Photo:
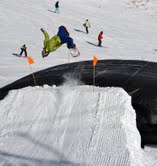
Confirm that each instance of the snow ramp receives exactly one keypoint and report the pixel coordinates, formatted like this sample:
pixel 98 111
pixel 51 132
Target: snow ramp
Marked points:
pixel 80 125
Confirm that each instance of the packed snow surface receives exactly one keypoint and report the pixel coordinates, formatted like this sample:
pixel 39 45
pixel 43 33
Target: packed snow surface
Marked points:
pixel 78 125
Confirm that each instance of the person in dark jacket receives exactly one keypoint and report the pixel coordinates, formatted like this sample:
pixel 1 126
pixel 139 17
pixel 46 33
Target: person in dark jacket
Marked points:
pixel 24 49
pixel 57 7
pixel 100 39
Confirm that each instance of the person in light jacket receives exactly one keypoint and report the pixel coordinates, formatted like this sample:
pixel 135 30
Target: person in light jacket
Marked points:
pixel 87 25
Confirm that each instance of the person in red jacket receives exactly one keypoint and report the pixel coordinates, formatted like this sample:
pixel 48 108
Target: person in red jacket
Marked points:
pixel 100 38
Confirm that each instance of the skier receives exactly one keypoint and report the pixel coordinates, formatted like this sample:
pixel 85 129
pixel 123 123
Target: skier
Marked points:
pixel 56 41
pixel 100 39
pixel 87 25
pixel 23 49
pixel 57 7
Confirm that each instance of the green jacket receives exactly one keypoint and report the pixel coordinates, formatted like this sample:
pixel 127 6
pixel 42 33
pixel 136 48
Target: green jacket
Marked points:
pixel 51 44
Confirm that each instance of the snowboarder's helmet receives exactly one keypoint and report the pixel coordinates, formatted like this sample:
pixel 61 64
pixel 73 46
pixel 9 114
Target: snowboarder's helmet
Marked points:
pixel 44 53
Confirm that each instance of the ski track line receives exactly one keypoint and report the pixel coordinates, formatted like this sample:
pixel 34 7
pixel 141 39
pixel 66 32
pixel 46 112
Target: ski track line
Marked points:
pixel 78 137
pixel 69 109
pixel 96 119
pixel 61 124
pixel 83 150
pixel 13 98
pixel 101 106
pixel 94 125
pixel 85 144
pixel 96 128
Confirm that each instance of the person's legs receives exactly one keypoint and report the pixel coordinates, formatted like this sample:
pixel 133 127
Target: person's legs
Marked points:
pixel 63 34
pixel 21 52
pixel 87 29
pixel 57 10
pixel 25 53
pixel 70 43
pixel 99 44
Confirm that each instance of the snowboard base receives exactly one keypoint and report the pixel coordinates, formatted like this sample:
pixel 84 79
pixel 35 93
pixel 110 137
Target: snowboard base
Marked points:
pixel 74 52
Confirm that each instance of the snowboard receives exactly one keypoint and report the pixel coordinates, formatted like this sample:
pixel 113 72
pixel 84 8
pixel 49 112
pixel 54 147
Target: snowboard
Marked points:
pixel 18 55
pixel 74 52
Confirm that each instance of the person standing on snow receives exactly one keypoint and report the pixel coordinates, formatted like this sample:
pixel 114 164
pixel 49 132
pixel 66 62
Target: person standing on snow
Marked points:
pixel 57 7
pixel 56 41
pixel 24 49
pixel 100 37
pixel 87 25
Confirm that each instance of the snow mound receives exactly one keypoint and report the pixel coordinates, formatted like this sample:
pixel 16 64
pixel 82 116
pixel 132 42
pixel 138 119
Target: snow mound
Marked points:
pixel 79 125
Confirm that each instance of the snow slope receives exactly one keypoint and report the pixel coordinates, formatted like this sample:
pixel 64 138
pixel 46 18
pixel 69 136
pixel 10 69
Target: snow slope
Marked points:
pixel 129 33
pixel 72 126
pixel 78 125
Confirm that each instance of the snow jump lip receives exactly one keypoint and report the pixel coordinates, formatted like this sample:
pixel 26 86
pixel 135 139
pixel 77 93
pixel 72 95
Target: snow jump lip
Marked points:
pixel 138 78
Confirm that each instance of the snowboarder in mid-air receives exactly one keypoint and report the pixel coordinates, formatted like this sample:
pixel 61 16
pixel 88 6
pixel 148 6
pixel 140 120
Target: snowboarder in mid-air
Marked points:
pixel 56 41
pixel 87 25
pixel 24 49
pixel 100 39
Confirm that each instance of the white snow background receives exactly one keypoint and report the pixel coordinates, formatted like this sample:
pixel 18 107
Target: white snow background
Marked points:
pixel 72 125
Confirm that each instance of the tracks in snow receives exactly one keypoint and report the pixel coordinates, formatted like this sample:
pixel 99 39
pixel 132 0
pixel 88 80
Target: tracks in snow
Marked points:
pixel 66 125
